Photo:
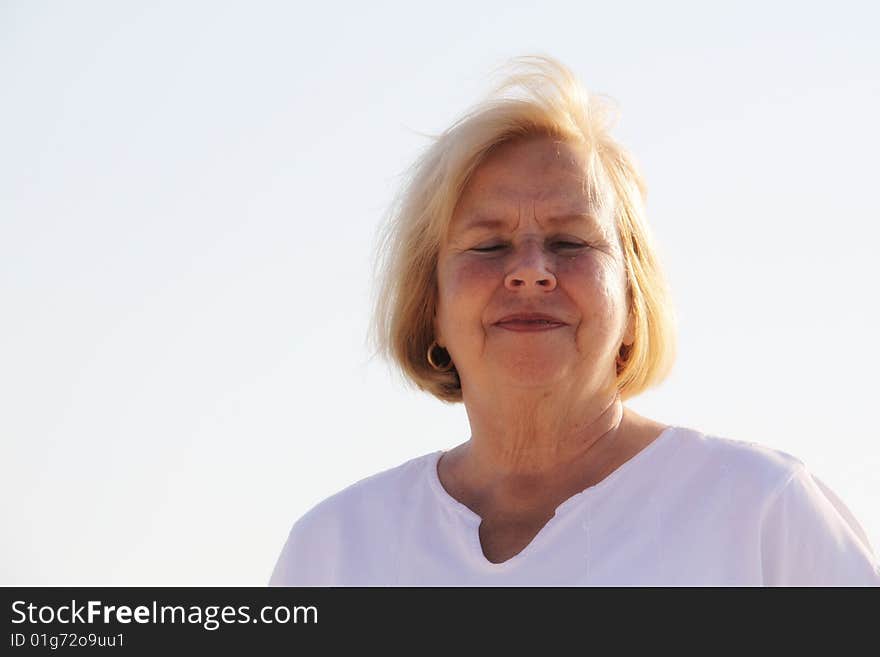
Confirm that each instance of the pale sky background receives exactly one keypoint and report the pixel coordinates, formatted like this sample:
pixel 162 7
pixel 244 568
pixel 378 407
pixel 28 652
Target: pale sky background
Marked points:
pixel 189 194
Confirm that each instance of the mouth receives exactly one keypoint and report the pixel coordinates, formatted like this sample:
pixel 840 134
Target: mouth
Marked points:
pixel 523 322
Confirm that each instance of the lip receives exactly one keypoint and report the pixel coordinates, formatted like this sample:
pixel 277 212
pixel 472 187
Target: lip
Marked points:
pixel 527 322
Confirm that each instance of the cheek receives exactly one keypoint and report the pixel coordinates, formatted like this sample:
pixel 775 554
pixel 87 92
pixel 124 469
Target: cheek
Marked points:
pixel 598 287
pixel 469 280
pixel 464 291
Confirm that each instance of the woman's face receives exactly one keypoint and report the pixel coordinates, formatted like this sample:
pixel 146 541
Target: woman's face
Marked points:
pixel 531 280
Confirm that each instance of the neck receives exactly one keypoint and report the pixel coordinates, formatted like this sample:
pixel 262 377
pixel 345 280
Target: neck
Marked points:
pixel 537 434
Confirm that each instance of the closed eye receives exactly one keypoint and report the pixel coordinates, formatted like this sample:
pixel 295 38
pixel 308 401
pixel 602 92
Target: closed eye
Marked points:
pixel 489 248
pixel 569 245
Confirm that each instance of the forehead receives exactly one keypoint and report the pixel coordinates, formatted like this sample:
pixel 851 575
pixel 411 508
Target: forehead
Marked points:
pixel 544 173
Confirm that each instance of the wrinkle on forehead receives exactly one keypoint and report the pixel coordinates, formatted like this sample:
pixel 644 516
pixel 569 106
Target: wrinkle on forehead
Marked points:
pixel 562 160
pixel 488 220
pixel 508 208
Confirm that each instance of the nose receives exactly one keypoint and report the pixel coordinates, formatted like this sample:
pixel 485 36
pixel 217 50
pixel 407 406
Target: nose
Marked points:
pixel 530 270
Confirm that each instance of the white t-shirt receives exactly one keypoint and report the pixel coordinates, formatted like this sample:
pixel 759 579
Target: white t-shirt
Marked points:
pixel 689 509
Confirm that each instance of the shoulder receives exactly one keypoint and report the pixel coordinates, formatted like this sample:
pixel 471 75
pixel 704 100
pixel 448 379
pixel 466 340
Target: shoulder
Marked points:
pixel 370 497
pixel 378 494
pixel 365 513
pixel 805 533
pixel 706 458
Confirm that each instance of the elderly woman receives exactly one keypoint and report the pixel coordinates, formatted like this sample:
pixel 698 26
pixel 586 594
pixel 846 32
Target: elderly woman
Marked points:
pixel 520 280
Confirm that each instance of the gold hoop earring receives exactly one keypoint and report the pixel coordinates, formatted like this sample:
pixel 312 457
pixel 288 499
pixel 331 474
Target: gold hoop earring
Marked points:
pixel 438 368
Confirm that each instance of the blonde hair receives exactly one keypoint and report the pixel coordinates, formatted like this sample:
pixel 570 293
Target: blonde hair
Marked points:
pixel 539 96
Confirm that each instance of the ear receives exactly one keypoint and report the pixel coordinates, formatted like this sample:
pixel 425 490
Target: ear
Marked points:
pixel 629 335
pixel 438 335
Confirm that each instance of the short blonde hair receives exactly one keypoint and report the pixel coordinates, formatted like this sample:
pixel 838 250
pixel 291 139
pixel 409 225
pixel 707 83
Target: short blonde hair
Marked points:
pixel 539 96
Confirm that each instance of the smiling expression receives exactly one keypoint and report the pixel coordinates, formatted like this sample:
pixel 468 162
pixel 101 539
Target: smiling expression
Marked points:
pixel 531 278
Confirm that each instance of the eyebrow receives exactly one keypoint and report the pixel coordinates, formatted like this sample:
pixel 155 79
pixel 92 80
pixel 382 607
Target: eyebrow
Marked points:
pixel 482 222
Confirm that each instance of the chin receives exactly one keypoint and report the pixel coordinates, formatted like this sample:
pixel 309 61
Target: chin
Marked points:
pixel 532 370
